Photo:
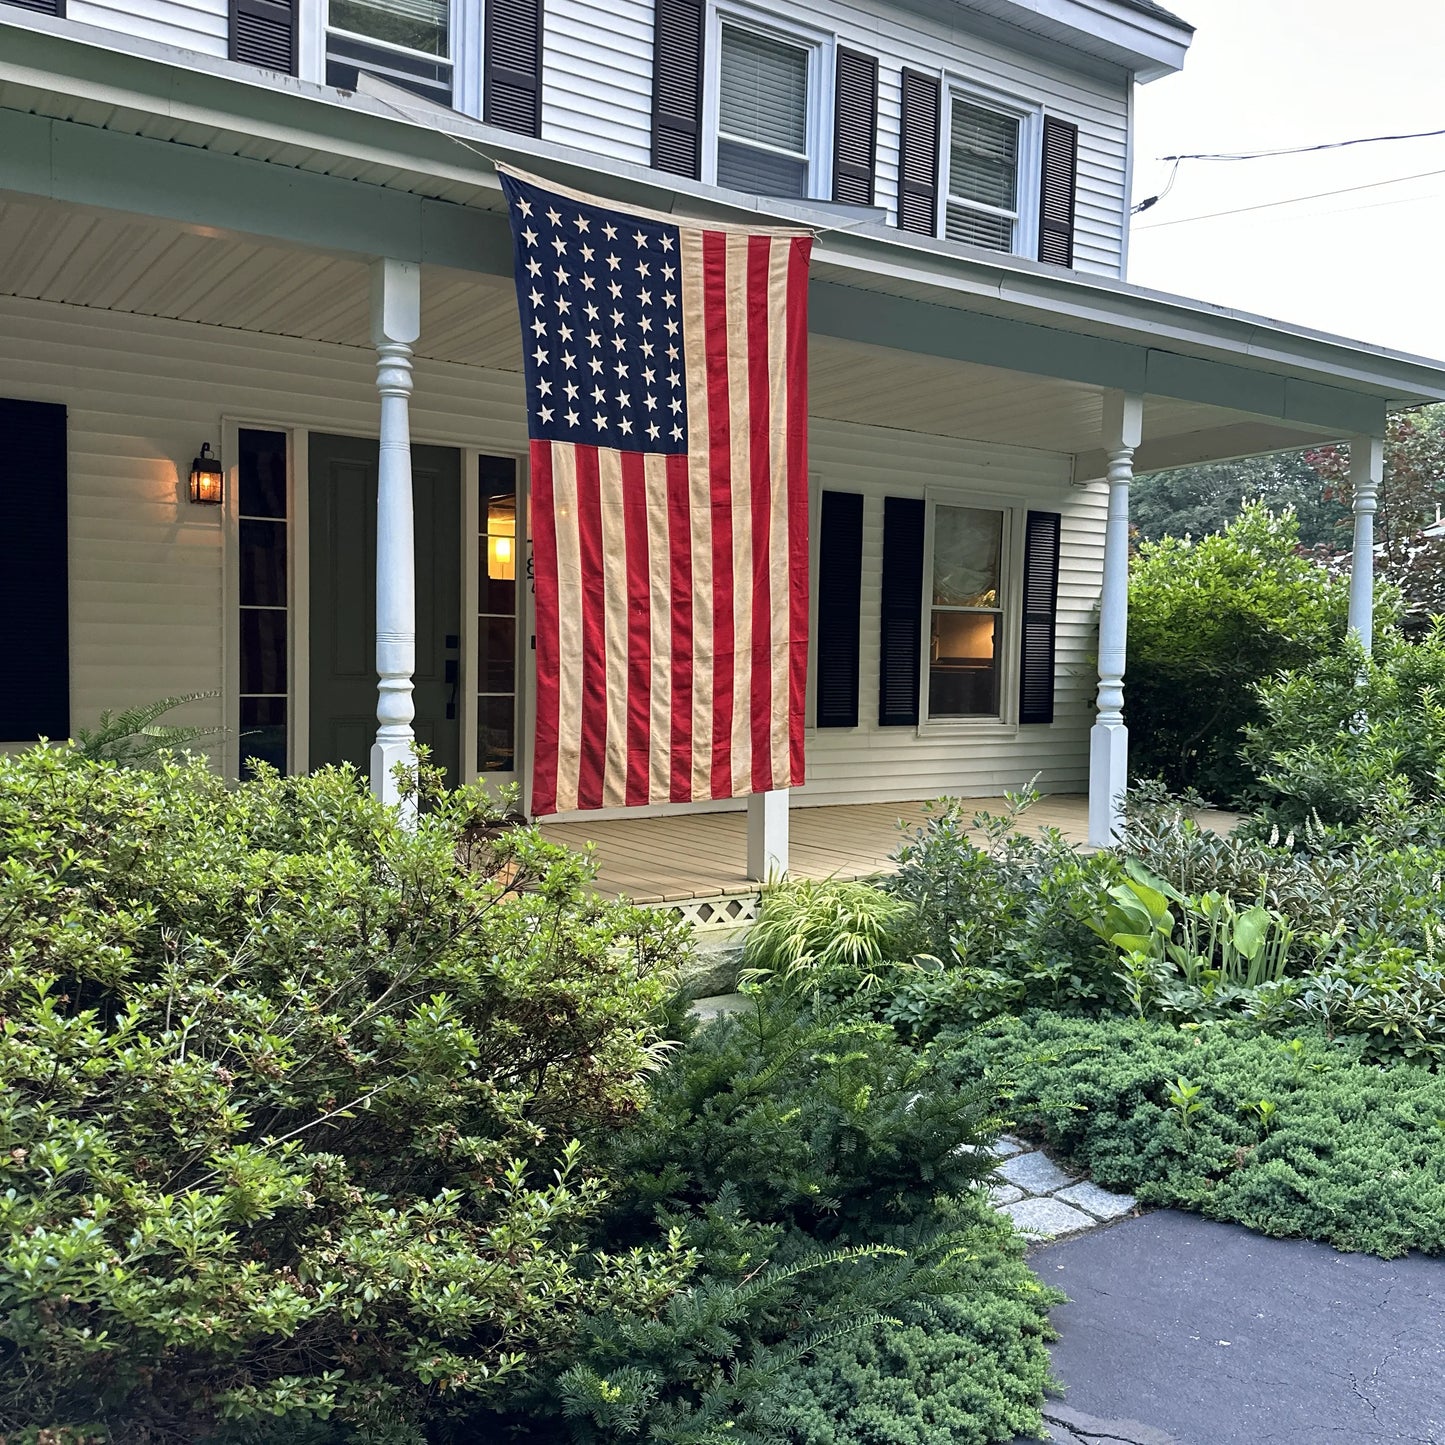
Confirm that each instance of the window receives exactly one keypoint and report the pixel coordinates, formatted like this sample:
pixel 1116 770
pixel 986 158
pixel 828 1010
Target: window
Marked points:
pixel 763 141
pixel 966 612
pixel 404 42
pixel 983 177
pixel 497 617
pixel 263 595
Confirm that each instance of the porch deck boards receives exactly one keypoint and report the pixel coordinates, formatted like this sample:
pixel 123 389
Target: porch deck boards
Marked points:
pixel 704 855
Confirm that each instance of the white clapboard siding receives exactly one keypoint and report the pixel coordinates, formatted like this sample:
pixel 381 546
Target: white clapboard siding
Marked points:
pixel 143 394
pixel 890 763
pixel 597 76
pixel 201 25
pixel 146 566
pixel 598 92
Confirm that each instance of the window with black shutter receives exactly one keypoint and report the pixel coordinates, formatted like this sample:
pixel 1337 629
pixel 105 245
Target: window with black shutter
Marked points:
pixel 264 32
pixel 1056 201
pixel 901 611
pixel 918 141
pixel 34 572
pixel 512 89
pixel 855 127
pixel 840 592
pixel 1041 605
pixel 41 7
pixel 677 57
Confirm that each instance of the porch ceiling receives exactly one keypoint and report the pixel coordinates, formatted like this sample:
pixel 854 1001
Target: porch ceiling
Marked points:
pixel 101 259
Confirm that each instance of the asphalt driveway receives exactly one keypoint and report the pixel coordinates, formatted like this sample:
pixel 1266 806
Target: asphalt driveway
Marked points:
pixel 1182 1330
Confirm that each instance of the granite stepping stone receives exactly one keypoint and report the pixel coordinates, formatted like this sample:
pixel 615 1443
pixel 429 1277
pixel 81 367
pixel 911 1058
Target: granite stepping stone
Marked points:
pixel 1101 1203
pixel 1035 1173
pixel 1045 1218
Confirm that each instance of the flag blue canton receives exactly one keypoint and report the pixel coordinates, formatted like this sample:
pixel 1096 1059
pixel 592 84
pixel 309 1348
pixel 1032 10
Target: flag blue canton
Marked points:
pixel 600 296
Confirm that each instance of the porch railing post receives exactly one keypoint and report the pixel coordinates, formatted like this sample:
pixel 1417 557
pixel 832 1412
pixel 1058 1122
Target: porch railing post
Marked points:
pixel 768 835
pixel 395 325
pixel 1109 738
pixel 1367 470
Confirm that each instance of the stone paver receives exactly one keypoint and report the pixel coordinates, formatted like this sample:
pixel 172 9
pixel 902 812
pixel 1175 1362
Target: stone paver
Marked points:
pixel 1035 1173
pixel 1006 1146
pixel 1000 1194
pixel 1101 1203
pixel 1046 1218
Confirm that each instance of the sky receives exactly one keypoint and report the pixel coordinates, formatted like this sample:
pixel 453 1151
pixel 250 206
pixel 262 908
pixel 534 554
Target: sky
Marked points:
pixel 1368 264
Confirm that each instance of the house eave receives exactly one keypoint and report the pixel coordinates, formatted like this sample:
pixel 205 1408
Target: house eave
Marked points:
pixel 94 78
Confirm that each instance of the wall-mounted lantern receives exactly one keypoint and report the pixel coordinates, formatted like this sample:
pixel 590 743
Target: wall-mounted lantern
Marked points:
pixel 206 477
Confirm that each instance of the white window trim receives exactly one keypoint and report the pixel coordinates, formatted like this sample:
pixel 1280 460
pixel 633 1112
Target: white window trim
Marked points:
pixel 1030 118
pixel 820 46
pixel 464 46
pixel 1012 557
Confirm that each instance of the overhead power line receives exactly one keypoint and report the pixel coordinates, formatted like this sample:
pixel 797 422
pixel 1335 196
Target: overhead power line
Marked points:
pixel 1331 145
pixel 1292 200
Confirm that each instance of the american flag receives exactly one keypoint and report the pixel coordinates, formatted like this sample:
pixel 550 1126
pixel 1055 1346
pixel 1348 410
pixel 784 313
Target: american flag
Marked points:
pixel 666 374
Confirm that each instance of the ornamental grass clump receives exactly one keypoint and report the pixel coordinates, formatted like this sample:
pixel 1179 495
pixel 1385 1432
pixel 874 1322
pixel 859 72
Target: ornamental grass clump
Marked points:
pixel 297 1114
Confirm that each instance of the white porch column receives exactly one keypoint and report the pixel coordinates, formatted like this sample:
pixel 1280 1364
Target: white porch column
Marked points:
pixel 1367 470
pixel 395 324
pixel 1109 738
pixel 768 835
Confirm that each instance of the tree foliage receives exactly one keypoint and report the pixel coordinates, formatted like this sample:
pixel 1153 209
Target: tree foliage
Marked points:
pixel 1208 619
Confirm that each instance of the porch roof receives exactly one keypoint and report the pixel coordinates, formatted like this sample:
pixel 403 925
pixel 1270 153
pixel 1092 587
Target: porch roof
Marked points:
pixel 100 120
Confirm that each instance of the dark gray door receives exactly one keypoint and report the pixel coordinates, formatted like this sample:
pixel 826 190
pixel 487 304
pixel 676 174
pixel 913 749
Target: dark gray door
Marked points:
pixel 342 526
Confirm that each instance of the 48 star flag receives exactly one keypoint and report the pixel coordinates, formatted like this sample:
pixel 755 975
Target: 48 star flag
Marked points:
pixel 666 381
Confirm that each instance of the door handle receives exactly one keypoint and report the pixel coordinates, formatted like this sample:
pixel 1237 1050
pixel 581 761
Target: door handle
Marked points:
pixel 450 676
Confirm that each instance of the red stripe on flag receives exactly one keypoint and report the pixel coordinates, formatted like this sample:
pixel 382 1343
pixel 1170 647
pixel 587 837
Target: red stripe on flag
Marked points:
pixel 715 326
pixel 801 248
pixel 593 753
pixel 639 626
pixel 760 466
pixel 679 546
pixel 544 547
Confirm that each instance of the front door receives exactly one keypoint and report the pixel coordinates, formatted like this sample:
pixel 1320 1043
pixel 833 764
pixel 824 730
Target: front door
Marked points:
pixel 342 526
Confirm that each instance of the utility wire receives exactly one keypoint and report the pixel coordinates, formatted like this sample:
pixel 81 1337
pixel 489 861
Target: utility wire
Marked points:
pixel 1288 200
pixel 1331 145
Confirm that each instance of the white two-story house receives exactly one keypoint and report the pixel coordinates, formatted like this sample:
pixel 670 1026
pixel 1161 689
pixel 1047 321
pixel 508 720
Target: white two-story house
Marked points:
pixel 213 212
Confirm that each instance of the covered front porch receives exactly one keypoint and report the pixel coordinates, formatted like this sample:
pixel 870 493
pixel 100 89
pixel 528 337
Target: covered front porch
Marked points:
pixel 698 862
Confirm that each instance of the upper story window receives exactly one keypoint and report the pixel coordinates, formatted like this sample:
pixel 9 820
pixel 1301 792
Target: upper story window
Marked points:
pixel 982 205
pixel 988 171
pixel 763 115
pixel 407 43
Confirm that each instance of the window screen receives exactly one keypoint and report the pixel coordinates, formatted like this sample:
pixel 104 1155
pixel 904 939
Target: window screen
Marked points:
pixel 983 170
pixel 762 115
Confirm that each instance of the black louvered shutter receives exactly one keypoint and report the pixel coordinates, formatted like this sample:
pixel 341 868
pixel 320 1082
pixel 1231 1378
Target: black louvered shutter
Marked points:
pixel 855 127
pixel 41 7
pixel 263 32
pixel 840 595
pixel 677 87
pixel 34 572
pixel 512 49
pixel 901 613
pixel 1041 606
pixel 1056 203
pixel 918 154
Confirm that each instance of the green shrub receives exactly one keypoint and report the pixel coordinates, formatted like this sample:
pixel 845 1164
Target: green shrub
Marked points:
pixel 1289 1137
pixel 1208 618
pixel 297 1114
pixel 1357 740
pixel 828 1179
